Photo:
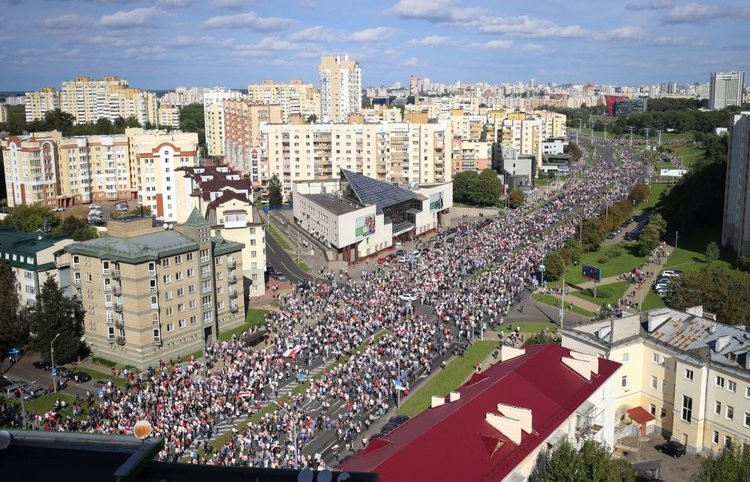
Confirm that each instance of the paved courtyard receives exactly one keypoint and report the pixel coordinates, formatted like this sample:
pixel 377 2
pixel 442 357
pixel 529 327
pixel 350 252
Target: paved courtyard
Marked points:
pixel 672 470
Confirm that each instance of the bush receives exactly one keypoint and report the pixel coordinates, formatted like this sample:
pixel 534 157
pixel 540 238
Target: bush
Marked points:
pixel 104 362
pixel 742 263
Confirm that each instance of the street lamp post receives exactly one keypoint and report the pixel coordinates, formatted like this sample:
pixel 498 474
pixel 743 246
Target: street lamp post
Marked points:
pixel 542 269
pixel 294 433
pixel 23 405
pixel 52 359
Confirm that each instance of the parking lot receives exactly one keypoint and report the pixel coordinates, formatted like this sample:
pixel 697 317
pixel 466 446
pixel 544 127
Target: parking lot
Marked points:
pixel 680 469
pixel 82 210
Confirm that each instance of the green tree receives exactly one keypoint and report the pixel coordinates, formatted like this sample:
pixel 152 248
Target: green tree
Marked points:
pixel 487 189
pixel 732 464
pixel 30 218
pixel 574 151
pixel 275 194
pixel 311 119
pixel 55 313
pixel 13 328
pixel 719 291
pixel 592 463
pixel 57 120
pixel 649 240
pixel 463 186
pixel 77 228
pixel 554 266
pixel 516 199
pixel 639 193
pixel 712 251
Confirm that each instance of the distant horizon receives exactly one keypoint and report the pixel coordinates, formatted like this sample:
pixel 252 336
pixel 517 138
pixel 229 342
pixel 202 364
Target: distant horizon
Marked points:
pixel 239 42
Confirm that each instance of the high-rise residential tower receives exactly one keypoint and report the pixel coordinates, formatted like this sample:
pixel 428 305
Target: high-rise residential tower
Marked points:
pixel 736 228
pixel 340 88
pixel 726 89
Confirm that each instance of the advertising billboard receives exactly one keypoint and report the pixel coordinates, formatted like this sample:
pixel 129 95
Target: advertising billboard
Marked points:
pixel 591 272
pixel 673 172
pixel 364 226
pixel 436 201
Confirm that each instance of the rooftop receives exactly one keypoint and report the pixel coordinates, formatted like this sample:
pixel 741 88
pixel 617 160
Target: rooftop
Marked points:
pixel 332 204
pixel 458 441
pixel 371 191
pixel 147 247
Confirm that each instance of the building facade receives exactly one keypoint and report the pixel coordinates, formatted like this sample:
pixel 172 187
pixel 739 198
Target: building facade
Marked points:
pixel 690 374
pixel 168 116
pixel 30 164
pixel 213 117
pixel 295 97
pixel 242 130
pixel 340 88
pixel 152 293
pixel 725 89
pixel 31 257
pixel 736 227
pixel 39 102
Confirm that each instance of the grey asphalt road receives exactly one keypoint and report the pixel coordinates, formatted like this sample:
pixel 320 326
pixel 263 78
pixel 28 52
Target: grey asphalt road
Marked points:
pixel 281 261
pixel 23 370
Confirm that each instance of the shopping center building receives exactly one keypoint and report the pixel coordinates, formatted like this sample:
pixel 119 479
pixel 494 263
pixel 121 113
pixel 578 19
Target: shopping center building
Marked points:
pixel 359 216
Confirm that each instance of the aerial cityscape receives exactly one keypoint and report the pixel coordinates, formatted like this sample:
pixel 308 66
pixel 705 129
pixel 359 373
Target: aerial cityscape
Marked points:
pixel 395 241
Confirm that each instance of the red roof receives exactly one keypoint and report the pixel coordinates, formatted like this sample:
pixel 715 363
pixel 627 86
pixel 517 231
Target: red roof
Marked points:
pixel 640 415
pixel 454 442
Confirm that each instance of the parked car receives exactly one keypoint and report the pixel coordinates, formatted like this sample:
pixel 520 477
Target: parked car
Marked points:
pixel 10 390
pixel 58 210
pixel 668 273
pixel 80 377
pixel 34 391
pixel 94 206
pixel 42 365
pixel 381 260
pixel 407 297
pixel 672 448
pixel 63 372
pixel 271 270
pixel 280 276
pixel 390 258
pixel 415 254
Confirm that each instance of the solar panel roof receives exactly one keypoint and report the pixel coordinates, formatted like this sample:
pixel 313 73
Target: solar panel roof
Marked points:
pixel 371 191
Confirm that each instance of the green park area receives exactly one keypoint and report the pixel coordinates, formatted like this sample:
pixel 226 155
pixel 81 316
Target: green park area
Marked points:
pixel 654 197
pixel 553 301
pixel 605 294
pixel 613 260
pixel 451 377
pixel 255 319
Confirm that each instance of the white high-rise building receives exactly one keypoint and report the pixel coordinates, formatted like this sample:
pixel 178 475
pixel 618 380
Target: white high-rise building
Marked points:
pixel 213 116
pixel 736 230
pixel 726 89
pixel 340 88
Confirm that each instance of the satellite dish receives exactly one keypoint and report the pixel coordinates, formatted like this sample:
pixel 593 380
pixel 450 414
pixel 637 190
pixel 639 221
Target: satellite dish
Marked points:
pixel 142 429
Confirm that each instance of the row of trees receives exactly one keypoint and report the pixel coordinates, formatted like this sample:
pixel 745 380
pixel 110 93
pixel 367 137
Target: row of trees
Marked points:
pixel 694 120
pixel 717 290
pixel 65 123
pixel 37 325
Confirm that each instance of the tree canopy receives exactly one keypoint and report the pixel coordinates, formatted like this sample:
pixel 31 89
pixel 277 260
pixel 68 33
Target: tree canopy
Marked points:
pixel 29 218
pixel 593 463
pixel 275 193
pixel 516 199
pixel 13 328
pixel 732 464
pixel 477 189
pixel 728 296
pixel 57 120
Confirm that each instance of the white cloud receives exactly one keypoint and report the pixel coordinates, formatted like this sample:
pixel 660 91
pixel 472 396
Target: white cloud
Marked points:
pixel 175 3
pixel 528 27
pixel 637 34
pixel 230 4
pixel 249 20
pixel 430 41
pixel 493 44
pixel 137 17
pixel 151 51
pixel 268 45
pixel 371 34
pixel 649 5
pixel 696 13
pixel 307 4
pixel 315 34
pixel 411 62
pixel 433 11
pixel 66 22
pixel 628 32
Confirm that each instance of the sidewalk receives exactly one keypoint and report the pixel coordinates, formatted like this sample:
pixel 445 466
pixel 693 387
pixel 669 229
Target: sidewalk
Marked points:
pixel 581 303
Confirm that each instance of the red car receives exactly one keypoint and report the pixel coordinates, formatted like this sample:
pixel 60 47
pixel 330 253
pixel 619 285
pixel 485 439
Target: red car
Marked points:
pixel 381 260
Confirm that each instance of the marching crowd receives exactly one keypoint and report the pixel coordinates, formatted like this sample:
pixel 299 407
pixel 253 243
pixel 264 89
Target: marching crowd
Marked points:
pixel 367 336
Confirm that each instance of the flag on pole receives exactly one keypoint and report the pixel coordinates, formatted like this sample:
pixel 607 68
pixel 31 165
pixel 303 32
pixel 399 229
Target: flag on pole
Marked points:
pixel 246 393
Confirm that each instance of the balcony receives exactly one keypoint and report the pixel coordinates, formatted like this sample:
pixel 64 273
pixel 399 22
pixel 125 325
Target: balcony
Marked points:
pixel 108 287
pixel 154 306
pixel 233 294
pixel 117 291
pixel 231 263
pixel 234 309
pixel 119 325
pixel 157 341
pixel 118 307
pixel 231 279
pixel 155 321
pixel 152 273
pixel 77 282
pixel 116 273
pixel 121 340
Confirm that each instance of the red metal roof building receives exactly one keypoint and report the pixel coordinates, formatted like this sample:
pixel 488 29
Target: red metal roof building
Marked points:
pixel 528 397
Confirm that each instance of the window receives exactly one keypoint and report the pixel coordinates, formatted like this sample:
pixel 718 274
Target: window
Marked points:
pixel 625 357
pixel 719 381
pixel 688 374
pixel 191 289
pixel 178 276
pixel 180 292
pixel 664 386
pixel 189 257
pixel 747 419
pixel 168 295
pixel 727 440
pixel 170 327
pixel 178 260
pixel 732 386
pixel 652 409
pixel 165 262
pixel 663 413
pixel 654 382
pixel 193 320
pixel 730 412
pixel 624 381
pixel 747 391
pixel 717 408
pixel 191 272
pixel 167 278
pixel 181 323
pixel 715 437
pixel 656 358
pixel 88 277
pixel 180 307
pixel 687 409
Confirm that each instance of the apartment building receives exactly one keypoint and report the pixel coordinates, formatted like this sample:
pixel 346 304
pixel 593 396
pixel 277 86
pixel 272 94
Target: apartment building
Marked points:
pixel 154 157
pixel 688 373
pixel 224 196
pixel 340 88
pixel 468 127
pixel 736 226
pixel 471 155
pixel 213 117
pixel 242 121
pixel 295 97
pixel 725 89
pixel 183 96
pixel 39 102
pixel 30 164
pixel 401 153
pixel 3 112
pixel 377 114
pixel 31 257
pixel 156 292
pixel 168 116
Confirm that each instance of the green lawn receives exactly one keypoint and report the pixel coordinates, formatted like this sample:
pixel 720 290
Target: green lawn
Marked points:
pixel 448 379
pixel 605 294
pixel 256 316
pixel 689 153
pixel 552 301
pixel 614 267
pixel 652 301
pixel 282 242
pixel 97 375
pixel 304 266
pixel 46 403
pixel 691 248
pixel 654 197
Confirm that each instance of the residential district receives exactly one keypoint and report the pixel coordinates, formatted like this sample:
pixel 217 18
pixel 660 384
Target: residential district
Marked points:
pixel 370 282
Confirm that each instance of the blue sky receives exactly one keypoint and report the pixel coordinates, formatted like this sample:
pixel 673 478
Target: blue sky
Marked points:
pixel 165 43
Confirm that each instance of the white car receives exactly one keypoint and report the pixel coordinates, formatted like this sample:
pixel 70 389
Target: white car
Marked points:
pixel 401 259
pixel 94 206
pixel 668 273
pixel 415 254
pixel 407 297
pixel 58 210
